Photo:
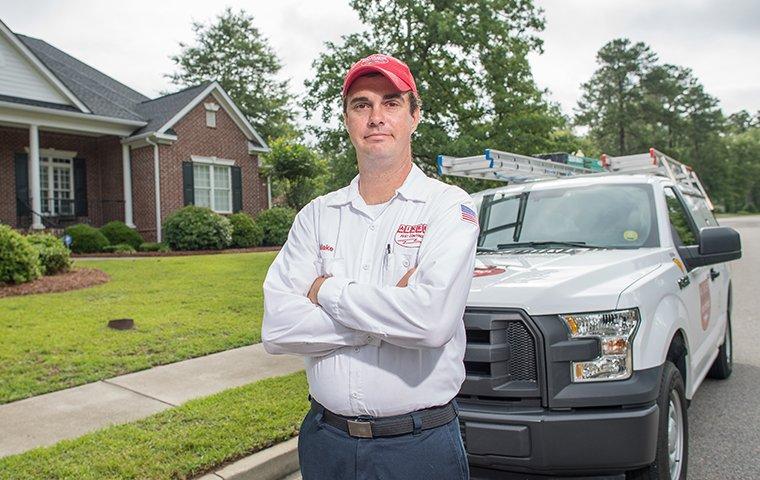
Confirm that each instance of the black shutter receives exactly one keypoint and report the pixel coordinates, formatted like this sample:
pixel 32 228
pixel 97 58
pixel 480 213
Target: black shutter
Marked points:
pixel 22 184
pixel 188 184
pixel 237 190
pixel 80 187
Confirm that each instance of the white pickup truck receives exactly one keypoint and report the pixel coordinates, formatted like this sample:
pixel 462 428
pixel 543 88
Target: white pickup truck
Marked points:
pixel 600 303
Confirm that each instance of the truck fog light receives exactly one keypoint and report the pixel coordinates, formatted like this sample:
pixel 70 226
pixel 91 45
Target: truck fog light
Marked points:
pixel 615 331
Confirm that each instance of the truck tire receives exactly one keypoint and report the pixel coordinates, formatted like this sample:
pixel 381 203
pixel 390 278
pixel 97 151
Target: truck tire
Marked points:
pixel 673 433
pixel 724 363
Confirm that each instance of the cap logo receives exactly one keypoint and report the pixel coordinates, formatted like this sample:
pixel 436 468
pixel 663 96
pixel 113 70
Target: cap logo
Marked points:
pixel 374 59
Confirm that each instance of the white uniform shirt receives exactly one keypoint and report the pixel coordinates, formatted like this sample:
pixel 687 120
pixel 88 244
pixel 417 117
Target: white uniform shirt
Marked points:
pixel 372 348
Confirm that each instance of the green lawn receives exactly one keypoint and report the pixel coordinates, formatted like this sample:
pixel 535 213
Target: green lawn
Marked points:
pixel 183 307
pixel 179 443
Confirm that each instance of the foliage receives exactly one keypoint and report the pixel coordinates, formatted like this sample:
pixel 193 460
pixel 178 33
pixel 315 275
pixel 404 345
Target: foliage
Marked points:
pixel 118 232
pixel 197 228
pixel 153 247
pixel 120 248
pixel 612 100
pixel 296 169
pixel 54 256
pixel 245 232
pixel 233 52
pixel 470 62
pixel 632 102
pixel 86 239
pixel 276 223
pixel 19 260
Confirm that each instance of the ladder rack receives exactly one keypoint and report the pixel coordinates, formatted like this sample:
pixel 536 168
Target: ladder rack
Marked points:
pixel 515 168
pixel 505 166
pixel 658 163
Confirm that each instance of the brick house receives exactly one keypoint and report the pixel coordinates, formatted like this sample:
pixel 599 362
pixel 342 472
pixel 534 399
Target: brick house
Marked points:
pixel 76 146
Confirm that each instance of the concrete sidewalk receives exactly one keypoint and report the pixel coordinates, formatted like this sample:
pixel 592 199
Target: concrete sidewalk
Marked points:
pixel 49 418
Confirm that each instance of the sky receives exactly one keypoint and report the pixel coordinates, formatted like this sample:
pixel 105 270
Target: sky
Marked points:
pixel 132 41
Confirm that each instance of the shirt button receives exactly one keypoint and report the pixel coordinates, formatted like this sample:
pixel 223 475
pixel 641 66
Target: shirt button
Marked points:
pixel 369 338
pixel 371 227
pixel 354 394
pixel 365 267
pixel 356 349
pixel 405 263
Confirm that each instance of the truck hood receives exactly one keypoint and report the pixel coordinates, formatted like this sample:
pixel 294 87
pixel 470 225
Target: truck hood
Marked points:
pixel 553 281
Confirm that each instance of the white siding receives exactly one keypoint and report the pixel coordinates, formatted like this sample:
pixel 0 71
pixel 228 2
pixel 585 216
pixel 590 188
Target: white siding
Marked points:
pixel 19 78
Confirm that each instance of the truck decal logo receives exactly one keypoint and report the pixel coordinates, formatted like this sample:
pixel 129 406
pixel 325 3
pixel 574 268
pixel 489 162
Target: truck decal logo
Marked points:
pixel 704 301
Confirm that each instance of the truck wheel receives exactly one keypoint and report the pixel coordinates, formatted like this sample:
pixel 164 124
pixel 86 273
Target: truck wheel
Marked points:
pixel 673 433
pixel 721 368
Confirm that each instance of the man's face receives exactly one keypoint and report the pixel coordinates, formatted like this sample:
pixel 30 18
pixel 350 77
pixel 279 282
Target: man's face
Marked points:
pixel 379 122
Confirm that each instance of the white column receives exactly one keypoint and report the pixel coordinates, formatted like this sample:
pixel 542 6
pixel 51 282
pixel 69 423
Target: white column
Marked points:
pixel 127 171
pixel 34 177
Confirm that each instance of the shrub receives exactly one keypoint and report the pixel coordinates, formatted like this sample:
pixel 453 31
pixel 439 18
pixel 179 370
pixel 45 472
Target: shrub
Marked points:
pixel 197 228
pixel 54 256
pixel 86 239
pixel 19 260
pixel 118 232
pixel 154 247
pixel 119 248
pixel 245 232
pixel 276 223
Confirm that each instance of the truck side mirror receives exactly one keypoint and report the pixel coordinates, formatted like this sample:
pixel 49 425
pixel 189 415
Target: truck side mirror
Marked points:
pixel 716 245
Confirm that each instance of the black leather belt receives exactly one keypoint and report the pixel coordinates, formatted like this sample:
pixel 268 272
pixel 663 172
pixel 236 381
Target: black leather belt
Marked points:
pixel 370 427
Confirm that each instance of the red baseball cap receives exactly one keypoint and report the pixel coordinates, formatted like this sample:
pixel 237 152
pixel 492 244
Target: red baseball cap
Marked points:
pixel 391 68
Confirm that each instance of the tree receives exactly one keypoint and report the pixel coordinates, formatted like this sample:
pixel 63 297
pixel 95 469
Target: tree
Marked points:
pixel 233 52
pixel 470 64
pixel 297 170
pixel 611 104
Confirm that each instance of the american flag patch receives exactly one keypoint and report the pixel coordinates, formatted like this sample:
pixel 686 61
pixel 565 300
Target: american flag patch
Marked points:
pixel 468 215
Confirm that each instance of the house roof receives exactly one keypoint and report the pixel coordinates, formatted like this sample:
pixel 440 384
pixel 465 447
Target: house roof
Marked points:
pixel 104 96
pixel 160 110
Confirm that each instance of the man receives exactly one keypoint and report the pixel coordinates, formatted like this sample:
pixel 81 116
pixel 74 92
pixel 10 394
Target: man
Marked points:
pixel 370 288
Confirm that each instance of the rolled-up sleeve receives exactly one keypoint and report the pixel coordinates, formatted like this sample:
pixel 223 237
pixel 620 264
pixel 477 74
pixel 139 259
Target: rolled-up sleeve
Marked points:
pixel 426 313
pixel 292 323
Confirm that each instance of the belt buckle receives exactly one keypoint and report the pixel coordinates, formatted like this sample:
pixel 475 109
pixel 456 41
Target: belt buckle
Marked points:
pixel 361 429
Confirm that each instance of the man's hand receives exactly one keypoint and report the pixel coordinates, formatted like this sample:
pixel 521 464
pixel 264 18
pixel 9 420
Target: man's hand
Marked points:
pixel 314 290
pixel 405 279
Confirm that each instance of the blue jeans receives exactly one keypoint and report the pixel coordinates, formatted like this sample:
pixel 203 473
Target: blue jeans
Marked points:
pixel 328 453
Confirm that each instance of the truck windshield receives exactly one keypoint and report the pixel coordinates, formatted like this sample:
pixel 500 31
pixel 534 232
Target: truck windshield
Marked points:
pixel 607 216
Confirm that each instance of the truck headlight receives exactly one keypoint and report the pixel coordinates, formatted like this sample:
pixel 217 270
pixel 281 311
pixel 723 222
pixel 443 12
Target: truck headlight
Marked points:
pixel 615 330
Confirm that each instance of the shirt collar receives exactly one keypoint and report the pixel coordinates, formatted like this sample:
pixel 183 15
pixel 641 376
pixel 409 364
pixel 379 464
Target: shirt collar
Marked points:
pixel 413 188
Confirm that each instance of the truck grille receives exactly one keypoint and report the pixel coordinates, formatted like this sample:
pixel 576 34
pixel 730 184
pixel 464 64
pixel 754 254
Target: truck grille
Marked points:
pixel 502 358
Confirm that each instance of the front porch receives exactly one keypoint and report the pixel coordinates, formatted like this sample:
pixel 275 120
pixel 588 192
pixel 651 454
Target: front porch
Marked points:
pixel 52 178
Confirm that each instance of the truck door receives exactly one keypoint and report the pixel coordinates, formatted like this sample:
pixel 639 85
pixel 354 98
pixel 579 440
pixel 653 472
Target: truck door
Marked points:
pixel 703 217
pixel 695 288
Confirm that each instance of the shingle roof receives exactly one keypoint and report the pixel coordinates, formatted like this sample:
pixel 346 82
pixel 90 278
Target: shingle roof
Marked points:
pixel 105 96
pixel 37 103
pixel 102 94
pixel 160 110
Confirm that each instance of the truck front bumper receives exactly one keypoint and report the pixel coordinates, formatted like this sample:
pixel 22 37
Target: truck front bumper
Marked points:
pixel 579 442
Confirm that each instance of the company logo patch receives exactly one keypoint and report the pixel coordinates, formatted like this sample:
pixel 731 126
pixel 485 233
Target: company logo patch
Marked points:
pixel 329 248
pixel 410 235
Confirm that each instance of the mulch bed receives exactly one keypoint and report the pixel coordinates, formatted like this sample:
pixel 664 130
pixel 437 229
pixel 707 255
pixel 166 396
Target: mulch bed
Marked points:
pixel 72 280
pixel 177 253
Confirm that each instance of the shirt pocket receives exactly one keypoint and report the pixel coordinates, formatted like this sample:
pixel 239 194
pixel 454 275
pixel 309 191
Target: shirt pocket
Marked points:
pixel 396 266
